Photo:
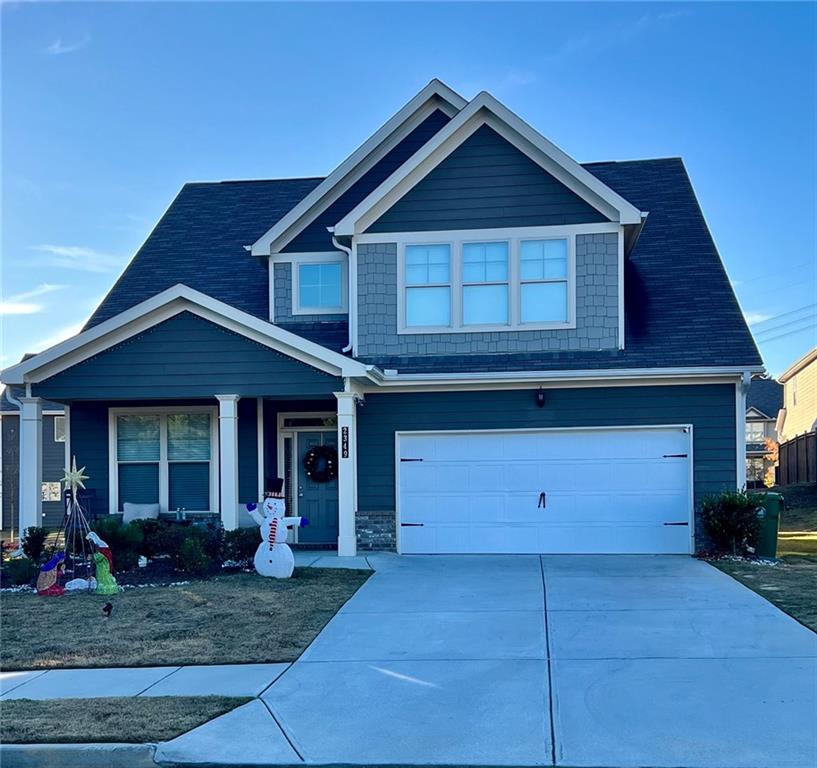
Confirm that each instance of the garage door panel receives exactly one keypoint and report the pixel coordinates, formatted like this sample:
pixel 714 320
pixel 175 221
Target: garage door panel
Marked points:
pixel 605 490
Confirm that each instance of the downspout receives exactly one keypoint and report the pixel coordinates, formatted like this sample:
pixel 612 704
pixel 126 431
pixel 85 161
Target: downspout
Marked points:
pixel 352 289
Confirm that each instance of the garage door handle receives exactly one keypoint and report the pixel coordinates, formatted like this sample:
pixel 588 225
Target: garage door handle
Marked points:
pixel 412 525
pixel 676 523
pixel 410 459
pixel 675 456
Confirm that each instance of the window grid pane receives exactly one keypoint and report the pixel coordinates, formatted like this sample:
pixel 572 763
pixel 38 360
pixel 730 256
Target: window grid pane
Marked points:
pixel 485 262
pixel 543 260
pixel 544 302
pixel 428 264
pixel 319 285
pixel 485 305
pixel 137 438
pixel 428 307
pixel 188 437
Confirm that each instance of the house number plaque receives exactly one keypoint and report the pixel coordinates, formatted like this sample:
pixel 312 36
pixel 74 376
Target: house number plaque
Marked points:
pixel 344 442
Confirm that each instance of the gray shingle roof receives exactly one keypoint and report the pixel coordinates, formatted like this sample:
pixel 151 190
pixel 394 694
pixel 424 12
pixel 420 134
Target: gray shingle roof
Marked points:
pixel 680 310
pixel 766 396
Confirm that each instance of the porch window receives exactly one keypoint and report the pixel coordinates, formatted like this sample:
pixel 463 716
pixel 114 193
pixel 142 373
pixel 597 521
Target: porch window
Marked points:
pixel 165 458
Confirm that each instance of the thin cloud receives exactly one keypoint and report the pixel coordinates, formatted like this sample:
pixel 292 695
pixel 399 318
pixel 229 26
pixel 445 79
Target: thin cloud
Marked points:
pixel 59 48
pixel 78 258
pixel 21 304
pixel 66 332
pixel 754 318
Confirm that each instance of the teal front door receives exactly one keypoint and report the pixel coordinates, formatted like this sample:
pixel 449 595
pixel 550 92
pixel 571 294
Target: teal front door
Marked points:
pixel 317 501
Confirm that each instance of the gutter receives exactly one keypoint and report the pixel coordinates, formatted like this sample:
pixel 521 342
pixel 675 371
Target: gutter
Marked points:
pixel 352 272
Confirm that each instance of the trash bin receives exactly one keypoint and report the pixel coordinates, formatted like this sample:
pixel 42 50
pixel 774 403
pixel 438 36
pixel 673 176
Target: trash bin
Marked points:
pixel 769 514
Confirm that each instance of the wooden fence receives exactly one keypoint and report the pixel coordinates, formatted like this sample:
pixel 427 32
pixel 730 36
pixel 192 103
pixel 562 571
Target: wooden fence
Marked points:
pixel 797 460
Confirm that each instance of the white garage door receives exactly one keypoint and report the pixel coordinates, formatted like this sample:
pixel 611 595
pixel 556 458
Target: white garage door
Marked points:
pixel 573 491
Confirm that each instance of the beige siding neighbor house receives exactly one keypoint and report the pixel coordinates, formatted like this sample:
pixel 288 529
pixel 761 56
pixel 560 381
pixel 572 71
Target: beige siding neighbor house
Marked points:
pixel 799 412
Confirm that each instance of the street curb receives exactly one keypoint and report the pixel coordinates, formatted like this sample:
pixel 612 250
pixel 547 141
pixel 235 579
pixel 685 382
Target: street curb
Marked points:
pixel 77 755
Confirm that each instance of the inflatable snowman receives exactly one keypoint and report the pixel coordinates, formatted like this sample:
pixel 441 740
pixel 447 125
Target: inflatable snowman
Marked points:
pixel 273 556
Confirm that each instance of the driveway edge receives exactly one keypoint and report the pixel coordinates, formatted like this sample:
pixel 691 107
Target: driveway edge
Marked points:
pixel 77 755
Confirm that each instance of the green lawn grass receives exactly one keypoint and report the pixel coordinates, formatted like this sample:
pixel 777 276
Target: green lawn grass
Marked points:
pixel 791 584
pixel 231 619
pixel 124 720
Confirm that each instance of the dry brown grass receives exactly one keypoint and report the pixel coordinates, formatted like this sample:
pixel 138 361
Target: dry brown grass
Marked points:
pixel 124 720
pixel 231 619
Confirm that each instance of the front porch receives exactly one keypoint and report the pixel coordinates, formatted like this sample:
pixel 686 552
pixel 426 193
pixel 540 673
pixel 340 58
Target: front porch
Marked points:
pixel 192 406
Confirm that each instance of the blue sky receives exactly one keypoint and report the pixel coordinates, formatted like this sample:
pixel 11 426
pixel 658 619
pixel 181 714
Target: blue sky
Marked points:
pixel 107 109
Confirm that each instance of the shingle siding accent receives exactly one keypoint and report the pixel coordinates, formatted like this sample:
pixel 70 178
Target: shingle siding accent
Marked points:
pixel 486 182
pixel 596 309
pixel 709 408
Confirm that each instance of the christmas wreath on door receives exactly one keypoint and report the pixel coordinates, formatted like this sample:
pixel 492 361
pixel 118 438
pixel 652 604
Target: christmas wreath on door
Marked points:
pixel 321 463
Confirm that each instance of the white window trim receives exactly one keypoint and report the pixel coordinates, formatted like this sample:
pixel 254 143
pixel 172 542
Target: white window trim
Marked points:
pixel 334 257
pixel 64 428
pixel 456 239
pixel 164 485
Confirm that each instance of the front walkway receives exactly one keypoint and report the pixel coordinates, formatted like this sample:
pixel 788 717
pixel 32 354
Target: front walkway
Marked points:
pixel 577 661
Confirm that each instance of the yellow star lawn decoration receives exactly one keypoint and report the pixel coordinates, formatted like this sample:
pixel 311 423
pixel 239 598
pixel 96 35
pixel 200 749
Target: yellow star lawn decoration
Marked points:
pixel 74 477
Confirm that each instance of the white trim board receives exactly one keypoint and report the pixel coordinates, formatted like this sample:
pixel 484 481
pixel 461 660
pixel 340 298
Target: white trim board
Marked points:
pixel 162 306
pixel 436 95
pixel 484 109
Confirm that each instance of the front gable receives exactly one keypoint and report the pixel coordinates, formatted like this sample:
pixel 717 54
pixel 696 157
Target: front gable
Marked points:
pixel 187 356
pixel 486 182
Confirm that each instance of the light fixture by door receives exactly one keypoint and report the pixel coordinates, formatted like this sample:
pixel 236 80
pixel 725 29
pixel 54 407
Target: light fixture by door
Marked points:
pixel 540 397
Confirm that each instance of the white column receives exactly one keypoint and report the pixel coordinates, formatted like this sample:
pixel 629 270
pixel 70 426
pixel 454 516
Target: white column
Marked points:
pixel 31 463
pixel 228 459
pixel 347 473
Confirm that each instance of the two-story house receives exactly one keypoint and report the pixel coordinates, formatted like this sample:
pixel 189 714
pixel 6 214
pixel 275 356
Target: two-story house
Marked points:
pixel 798 415
pixel 508 351
pixel 763 401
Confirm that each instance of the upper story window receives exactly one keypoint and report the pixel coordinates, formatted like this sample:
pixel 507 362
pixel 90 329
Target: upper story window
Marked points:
pixel 59 429
pixel 319 283
pixel 755 432
pixel 491 285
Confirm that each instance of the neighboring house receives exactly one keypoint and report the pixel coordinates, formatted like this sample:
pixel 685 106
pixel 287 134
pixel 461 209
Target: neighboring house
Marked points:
pixel 511 352
pixel 53 462
pixel 799 413
pixel 763 401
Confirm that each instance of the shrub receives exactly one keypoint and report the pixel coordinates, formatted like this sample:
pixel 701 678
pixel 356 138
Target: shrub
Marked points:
pixel 192 557
pixel 154 537
pixel 34 543
pixel 241 544
pixel 125 541
pixel 19 571
pixel 730 520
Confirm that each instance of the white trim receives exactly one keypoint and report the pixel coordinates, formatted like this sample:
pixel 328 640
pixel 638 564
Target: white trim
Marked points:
pixel 164 487
pixel 436 95
pixel 621 340
pixel 498 233
pixel 67 436
pixel 162 306
pixel 329 257
pixel 260 444
pixel 485 109
pixel 688 428
pixel 741 389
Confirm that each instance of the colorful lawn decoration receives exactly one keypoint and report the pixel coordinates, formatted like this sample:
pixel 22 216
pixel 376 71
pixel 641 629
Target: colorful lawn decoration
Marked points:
pixel 274 557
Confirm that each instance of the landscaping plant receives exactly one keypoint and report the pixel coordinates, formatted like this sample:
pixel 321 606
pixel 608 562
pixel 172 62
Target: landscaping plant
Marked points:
pixel 192 557
pixel 731 521
pixel 34 543
pixel 125 541
pixel 240 545
pixel 19 571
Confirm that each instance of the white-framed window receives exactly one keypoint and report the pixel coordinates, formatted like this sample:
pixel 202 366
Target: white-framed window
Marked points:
pixel 427 271
pixel 755 432
pixel 165 456
pixel 59 429
pixel 319 284
pixel 487 284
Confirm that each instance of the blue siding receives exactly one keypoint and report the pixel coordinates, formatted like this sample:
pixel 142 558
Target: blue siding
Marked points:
pixel 315 237
pixel 89 443
pixel 186 356
pixel 247 451
pixel 709 408
pixel 486 182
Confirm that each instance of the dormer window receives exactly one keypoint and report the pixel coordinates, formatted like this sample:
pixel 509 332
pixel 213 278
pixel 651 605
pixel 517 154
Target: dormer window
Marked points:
pixel 319 284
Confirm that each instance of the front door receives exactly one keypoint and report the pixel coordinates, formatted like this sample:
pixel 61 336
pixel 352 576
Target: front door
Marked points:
pixel 317 501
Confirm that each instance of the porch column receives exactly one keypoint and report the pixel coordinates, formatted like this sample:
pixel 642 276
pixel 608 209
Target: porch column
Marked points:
pixel 31 463
pixel 347 473
pixel 228 459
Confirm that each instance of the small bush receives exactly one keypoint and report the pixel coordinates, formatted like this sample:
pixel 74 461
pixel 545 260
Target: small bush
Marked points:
pixel 19 571
pixel 125 541
pixel 241 544
pixel 730 520
pixel 34 543
pixel 154 537
pixel 192 557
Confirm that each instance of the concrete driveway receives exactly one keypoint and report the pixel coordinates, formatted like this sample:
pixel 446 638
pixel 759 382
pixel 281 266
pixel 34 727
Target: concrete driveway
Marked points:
pixel 575 661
